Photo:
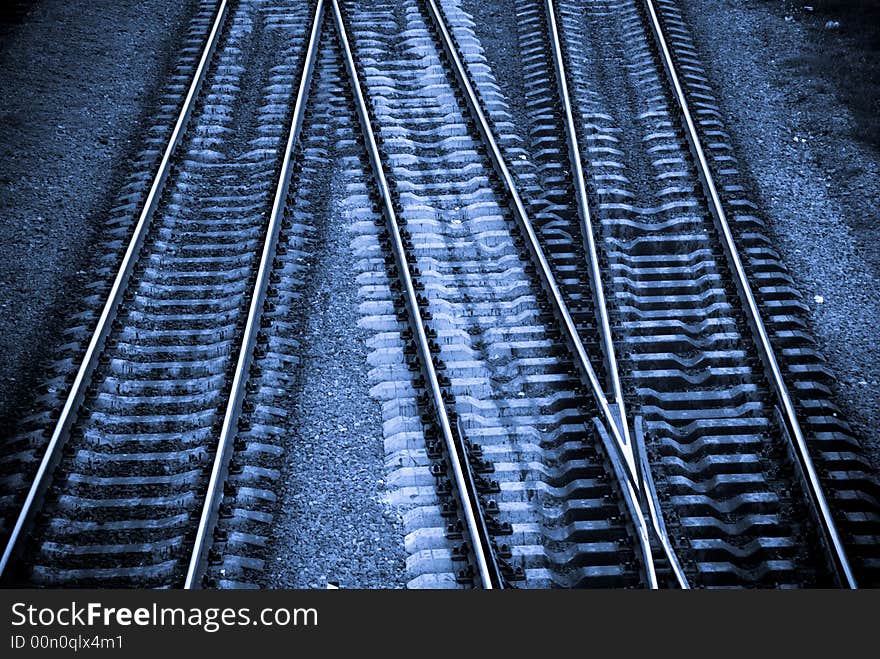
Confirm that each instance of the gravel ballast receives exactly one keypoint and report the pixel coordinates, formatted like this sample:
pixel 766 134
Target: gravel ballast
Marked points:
pixel 332 527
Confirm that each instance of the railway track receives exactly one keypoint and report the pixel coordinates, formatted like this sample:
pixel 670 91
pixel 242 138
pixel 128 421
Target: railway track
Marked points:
pixel 735 470
pixel 143 443
pixel 592 368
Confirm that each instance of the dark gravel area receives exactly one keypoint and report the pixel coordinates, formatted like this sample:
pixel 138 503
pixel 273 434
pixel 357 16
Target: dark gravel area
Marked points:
pixel 787 86
pixel 76 78
pixel 13 12
pixel 846 53
pixel 332 526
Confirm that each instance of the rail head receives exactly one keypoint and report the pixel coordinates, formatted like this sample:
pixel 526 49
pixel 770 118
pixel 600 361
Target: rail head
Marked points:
pixel 68 414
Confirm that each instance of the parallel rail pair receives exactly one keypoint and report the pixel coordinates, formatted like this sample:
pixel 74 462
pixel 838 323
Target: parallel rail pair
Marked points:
pixel 67 419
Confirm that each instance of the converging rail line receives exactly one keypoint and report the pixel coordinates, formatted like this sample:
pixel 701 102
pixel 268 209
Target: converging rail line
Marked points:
pixel 571 399
pixel 629 466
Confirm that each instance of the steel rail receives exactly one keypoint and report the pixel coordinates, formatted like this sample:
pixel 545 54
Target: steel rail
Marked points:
pixel 583 204
pixel 87 366
pixel 620 441
pixel 790 424
pixel 643 482
pixel 219 471
pixel 487 565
